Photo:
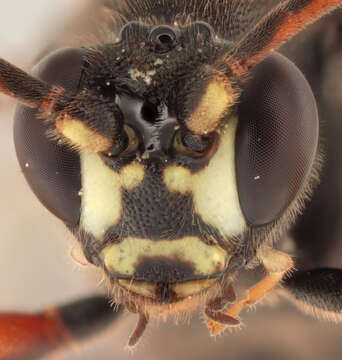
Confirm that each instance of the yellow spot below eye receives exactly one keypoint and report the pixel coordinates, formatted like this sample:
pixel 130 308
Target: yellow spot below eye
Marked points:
pixel 218 97
pixel 80 136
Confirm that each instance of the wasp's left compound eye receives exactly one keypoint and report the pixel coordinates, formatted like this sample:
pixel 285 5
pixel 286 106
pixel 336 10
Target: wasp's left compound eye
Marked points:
pixel 52 170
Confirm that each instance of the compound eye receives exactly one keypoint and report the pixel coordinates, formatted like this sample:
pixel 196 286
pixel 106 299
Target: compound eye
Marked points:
pixel 164 38
pixel 276 140
pixel 52 170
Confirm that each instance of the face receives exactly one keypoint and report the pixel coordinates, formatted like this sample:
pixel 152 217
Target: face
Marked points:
pixel 175 151
pixel 181 161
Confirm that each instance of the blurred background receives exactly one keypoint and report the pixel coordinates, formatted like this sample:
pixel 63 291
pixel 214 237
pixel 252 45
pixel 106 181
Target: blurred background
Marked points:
pixel 36 270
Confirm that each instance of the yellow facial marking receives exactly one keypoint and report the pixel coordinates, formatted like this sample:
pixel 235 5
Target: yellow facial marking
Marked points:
pixel 142 288
pixel 122 258
pixel 214 189
pixel 101 195
pixel 189 288
pixel 218 97
pixel 80 135
pixel 182 290
pixel 101 192
pixel 177 178
pixel 132 176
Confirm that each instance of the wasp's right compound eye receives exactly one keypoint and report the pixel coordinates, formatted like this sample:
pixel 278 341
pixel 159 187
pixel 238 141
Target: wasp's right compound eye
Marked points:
pixel 52 170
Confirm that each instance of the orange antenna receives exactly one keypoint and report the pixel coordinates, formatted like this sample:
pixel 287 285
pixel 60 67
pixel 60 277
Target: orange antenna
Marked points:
pixel 279 25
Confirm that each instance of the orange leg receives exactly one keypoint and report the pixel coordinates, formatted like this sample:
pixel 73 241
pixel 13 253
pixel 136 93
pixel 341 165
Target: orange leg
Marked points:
pixel 24 337
pixel 30 336
pixel 276 264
